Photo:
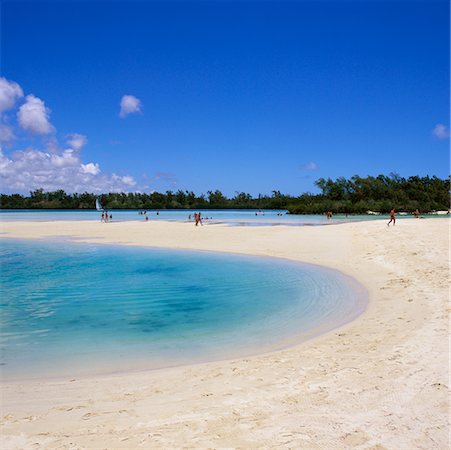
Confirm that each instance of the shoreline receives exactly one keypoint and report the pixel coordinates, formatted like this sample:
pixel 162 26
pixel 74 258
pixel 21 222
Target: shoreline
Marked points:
pixel 390 357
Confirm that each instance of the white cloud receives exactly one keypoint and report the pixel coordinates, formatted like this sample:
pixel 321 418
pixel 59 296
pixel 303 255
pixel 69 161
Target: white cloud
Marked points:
pixel 440 131
pixel 10 92
pixel 90 168
pixel 77 141
pixel 6 134
pixel 32 169
pixel 128 180
pixel 129 105
pixel 66 159
pixel 33 116
pixel 310 166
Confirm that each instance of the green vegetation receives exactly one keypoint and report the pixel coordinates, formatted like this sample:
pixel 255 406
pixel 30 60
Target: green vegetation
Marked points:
pixel 382 193
pixel 353 196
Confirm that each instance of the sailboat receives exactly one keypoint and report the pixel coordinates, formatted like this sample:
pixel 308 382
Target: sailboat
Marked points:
pixel 98 205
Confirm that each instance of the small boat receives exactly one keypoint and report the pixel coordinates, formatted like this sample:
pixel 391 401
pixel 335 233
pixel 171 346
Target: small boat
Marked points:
pixel 98 205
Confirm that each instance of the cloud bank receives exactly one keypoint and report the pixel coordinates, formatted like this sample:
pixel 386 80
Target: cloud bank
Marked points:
pixel 32 169
pixel 50 167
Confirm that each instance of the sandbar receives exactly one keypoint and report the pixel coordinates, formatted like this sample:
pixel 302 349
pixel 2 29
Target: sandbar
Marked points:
pixel 378 382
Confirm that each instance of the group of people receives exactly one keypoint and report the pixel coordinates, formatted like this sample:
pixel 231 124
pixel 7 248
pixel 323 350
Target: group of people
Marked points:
pixel 198 219
pixel 415 214
pixel 328 214
pixel 105 217
pixel 144 213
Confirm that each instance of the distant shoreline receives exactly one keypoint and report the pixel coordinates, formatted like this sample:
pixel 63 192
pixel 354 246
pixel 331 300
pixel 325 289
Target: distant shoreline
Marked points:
pixel 429 213
pixel 356 195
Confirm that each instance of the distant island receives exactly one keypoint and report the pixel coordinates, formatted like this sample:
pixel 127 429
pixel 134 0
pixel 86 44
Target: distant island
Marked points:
pixel 356 195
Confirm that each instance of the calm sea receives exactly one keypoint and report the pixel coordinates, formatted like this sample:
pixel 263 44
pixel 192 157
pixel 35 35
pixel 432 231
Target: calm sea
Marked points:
pixel 229 217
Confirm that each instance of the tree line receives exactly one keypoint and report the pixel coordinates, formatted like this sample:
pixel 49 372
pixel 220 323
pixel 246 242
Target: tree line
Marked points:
pixel 351 196
pixel 358 195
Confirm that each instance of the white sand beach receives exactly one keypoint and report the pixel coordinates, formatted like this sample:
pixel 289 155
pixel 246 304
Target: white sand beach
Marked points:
pixel 380 382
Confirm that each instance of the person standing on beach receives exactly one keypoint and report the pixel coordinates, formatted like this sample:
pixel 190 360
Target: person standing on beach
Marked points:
pixel 198 219
pixel 103 217
pixel 392 217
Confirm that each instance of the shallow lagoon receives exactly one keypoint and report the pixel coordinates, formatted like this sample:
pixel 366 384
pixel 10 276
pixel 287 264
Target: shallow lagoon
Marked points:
pixel 76 309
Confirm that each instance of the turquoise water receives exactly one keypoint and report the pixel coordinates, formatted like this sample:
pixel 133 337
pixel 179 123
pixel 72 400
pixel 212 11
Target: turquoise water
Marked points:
pixel 72 309
pixel 230 217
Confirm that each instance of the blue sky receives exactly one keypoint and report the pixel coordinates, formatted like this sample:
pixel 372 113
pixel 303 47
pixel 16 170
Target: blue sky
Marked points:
pixel 236 96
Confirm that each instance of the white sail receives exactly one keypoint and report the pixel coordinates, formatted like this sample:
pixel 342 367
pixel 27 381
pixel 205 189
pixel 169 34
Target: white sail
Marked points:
pixel 98 205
